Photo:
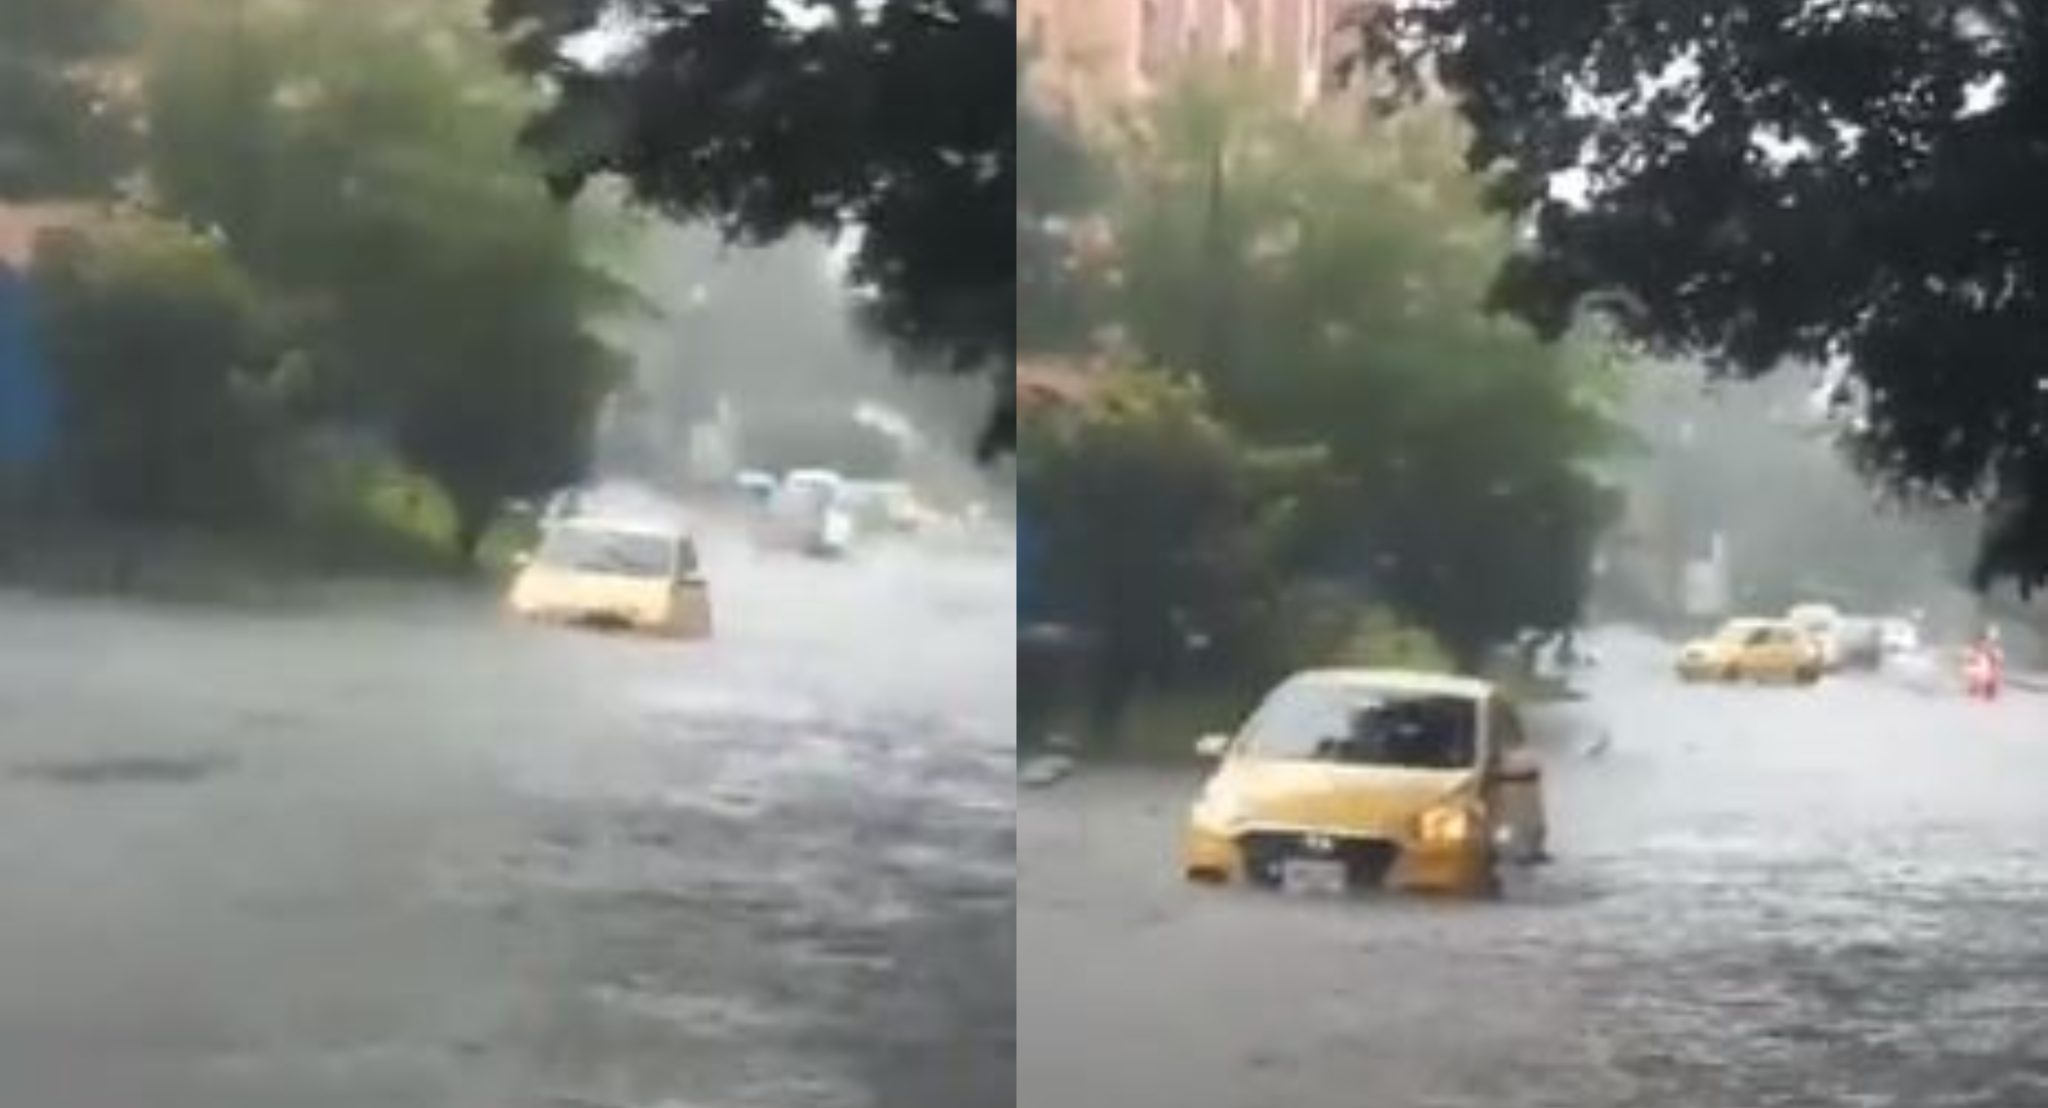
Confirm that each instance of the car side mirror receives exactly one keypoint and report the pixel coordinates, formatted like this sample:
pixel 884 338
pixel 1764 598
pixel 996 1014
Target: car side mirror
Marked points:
pixel 1518 766
pixel 1212 747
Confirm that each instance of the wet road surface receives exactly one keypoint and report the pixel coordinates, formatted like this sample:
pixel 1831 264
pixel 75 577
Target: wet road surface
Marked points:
pixel 394 851
pixel 1763 898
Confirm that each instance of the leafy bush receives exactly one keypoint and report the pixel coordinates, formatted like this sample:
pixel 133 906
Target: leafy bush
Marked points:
pixel 155 337
pixel 1381 640
pixel 1156 532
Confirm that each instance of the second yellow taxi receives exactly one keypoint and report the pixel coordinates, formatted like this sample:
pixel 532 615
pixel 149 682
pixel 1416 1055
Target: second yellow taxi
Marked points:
pixel 1766 650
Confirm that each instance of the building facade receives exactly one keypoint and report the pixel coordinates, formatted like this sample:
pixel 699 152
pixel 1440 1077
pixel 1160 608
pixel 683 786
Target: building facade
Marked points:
pixel 1106 52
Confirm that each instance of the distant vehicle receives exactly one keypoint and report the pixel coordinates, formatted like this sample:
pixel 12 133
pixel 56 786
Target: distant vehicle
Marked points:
pixel 808 512
pixel 1859 643
pixel 885 507
pixel 1925 671
pixel 1822 623
pixel 1355 778
pixel 1765 650
pixel 1898 636
pixel 757 486
pixel 617 575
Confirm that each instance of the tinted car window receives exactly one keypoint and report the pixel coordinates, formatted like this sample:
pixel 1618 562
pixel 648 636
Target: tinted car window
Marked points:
pixel 1364 726
pixel 618 553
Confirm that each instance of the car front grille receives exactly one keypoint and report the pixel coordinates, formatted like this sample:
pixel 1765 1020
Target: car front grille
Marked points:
pixel 1366 861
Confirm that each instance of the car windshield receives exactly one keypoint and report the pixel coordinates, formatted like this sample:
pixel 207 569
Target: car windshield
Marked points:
pixel 618 553
pixel 1363 726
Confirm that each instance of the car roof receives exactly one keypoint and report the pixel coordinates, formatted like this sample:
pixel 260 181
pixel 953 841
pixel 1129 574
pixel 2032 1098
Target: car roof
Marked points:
pixel 1400 681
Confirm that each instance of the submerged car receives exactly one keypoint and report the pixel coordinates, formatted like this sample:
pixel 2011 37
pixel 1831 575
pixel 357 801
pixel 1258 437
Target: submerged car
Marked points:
pixel 618 575
pixel 1769 650
pixel 1348 779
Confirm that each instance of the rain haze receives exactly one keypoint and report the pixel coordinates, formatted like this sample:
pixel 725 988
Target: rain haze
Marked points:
pixel 462 645
pixel 1531 518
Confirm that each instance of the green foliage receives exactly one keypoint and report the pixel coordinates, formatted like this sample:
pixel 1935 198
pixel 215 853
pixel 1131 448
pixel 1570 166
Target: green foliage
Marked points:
pixel 1381 640
pixel 60 134
pixel 1330 286
pixel 360 160
pixel 1155 524
pixel 894 118
pixel 1060 183
pixel 156 337
pixel 358 514
pixel 1804 183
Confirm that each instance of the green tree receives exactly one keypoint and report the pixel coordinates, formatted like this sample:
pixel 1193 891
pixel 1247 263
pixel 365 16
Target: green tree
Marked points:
pixel 894 120
pixel 1156 523
pixel 157 340
pixel 361 161
pixel 1059 183
pixel 61 132
pixel 1765 183
pixel 1329 286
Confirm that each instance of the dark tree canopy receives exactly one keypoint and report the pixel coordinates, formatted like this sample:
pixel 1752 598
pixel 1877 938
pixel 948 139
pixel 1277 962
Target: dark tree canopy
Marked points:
pixel 60 133
pixel 1774 181
pixel 893 119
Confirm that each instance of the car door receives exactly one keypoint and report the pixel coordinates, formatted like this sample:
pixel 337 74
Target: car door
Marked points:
pixel 1753 658
pixel 1786 653
pixel 692 592
pixel 1515 786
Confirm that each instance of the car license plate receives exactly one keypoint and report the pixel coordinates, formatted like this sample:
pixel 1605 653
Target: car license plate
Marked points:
pixel 1312 876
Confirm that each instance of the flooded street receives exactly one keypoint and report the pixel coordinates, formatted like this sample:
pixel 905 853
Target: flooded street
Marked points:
pixel 393 850
pixel 1763 897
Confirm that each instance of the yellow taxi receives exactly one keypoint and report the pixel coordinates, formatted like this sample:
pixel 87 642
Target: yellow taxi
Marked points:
pixel 633 575
pixel 1771 650
pixel 1346 779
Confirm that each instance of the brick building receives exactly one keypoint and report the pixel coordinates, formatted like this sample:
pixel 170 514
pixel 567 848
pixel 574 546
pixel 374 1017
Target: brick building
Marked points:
pixel 1098 53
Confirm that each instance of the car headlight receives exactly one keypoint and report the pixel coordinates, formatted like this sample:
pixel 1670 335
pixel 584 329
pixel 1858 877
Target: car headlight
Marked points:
pixel 1448 824
pixel 1219 809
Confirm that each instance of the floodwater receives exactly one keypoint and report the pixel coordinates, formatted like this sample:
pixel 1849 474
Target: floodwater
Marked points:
pixel 1817 898
pixel 390 849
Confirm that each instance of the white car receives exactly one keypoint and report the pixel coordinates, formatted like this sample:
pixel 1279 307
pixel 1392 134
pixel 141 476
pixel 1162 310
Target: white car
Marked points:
pixel 808 512
pixel 1821 623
